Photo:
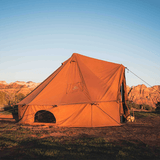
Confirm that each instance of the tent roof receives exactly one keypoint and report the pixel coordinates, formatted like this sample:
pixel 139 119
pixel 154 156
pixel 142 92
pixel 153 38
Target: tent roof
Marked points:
pixel 80 79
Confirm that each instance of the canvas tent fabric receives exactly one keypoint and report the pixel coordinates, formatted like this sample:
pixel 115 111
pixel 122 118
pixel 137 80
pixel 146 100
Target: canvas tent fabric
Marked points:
pixel 82 92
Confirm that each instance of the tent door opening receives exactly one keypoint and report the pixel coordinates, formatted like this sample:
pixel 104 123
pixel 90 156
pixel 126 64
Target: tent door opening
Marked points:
pixel 44 116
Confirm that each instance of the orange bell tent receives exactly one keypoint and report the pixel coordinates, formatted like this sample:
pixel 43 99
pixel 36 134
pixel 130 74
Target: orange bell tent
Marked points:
pixel 82 92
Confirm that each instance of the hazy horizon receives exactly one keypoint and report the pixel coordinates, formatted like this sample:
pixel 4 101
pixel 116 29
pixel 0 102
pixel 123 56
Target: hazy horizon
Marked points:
pixel 37 36
pixel 42 81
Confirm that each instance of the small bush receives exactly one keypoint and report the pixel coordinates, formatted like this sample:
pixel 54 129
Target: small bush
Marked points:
pixel 157 110
pixel 147 107
pixel 19 97
pixel 132 105
pixel 138 106
pixel 129 104
pixel 8 108
pixel 3 100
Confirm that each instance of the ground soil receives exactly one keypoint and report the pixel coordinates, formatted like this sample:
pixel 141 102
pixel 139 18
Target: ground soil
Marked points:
pixel 145 130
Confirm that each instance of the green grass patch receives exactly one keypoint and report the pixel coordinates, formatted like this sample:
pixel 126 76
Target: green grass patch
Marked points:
pixel 146 114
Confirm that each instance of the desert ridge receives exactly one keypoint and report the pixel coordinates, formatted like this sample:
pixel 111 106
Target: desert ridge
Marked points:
pixel 142 94
pixel 9 91
pixel 139 94
pixel 18 87
pixel 17 84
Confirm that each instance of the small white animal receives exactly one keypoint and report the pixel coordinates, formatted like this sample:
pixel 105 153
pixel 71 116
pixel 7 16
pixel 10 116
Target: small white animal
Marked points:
pixel 130 119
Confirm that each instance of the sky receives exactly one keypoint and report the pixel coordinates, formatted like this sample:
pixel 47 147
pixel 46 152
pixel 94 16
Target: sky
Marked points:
pixel 36 36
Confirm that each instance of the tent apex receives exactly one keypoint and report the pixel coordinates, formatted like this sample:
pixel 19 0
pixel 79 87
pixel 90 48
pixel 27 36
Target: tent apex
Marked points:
pixel 75 54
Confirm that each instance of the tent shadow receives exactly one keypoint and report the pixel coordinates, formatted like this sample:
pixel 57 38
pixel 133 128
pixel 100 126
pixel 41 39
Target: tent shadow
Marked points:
pixel 81 147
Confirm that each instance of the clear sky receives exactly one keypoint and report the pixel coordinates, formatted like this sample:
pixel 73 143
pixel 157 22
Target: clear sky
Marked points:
pixel 36 36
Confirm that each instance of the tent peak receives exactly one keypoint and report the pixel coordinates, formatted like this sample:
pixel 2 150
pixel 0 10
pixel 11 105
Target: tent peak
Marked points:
pixel 75 54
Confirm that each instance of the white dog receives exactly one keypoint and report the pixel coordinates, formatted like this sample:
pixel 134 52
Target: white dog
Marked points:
pixel 130 118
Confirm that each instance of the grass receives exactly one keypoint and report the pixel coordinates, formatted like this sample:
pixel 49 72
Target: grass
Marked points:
pixel 5 113
pixel 146 114
pixel 75 148
pixel 35 142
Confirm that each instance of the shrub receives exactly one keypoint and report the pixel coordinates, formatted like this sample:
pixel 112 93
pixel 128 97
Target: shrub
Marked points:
pixel 147 107
pixel 129 104
pixel 132 105
pixel 2 98
pixel 19 97
pixel 158 107
pixel 138 106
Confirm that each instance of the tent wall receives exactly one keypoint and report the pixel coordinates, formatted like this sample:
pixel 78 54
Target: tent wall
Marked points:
pixel 80 115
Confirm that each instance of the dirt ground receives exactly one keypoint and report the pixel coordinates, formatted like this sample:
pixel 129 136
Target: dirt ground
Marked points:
pixel 137 140
pixel 145 130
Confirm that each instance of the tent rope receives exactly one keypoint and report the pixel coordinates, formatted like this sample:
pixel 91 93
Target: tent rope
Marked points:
pixel 142 80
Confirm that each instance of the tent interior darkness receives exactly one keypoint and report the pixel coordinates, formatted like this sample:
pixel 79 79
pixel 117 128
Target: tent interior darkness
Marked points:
pixel 44 116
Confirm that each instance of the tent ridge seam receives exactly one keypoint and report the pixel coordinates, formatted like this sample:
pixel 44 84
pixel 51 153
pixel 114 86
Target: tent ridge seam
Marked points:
pixel 83 78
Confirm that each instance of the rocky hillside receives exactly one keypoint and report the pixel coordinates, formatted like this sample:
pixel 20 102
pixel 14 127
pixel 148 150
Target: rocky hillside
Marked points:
pixel 9 92
pixel 18 84
pixel 138 94
pixel 18 87
pixel 144 95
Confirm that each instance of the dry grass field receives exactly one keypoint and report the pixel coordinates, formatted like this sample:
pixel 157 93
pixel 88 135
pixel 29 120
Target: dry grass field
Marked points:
pixel 137 140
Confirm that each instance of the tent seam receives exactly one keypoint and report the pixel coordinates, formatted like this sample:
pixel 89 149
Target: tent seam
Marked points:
pixel 83 79
pixel 108 115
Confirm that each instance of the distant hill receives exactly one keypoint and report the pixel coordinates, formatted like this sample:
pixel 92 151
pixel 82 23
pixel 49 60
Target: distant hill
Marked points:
pixel 144 95
pixel 138 94
pixel 8 91
pixel 18 87
pixel 18 84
